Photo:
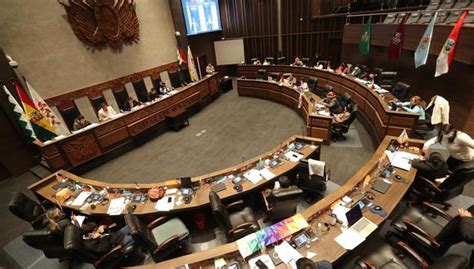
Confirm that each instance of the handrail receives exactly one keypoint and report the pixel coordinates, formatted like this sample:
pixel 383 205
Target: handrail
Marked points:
pixel 386 13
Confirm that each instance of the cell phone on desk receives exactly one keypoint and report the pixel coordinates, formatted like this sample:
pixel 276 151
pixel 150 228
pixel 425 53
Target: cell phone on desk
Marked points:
pixel 301 240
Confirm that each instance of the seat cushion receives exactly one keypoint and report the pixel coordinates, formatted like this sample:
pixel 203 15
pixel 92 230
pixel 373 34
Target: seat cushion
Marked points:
pixel 168 229
pixel 415 215
pixel 242 216
pixel 451 261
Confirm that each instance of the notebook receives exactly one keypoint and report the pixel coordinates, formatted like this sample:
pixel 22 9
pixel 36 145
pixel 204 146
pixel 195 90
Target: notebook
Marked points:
pixel 381 186
pixel 218 187
pixel 359 224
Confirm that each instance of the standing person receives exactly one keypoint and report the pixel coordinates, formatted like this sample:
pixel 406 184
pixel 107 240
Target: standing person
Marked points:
pixel 80 122
pixel 106 112
pixel 415 105
pixel 459 144
pixel 438 109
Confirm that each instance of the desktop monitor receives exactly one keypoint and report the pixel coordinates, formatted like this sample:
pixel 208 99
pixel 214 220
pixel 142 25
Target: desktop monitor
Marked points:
pixel 201 16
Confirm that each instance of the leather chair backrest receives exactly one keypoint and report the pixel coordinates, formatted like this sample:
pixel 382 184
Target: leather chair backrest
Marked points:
pixel 312 83
pixel 462 4
pixel 275 76
pixel 50 243
pixel 69 114
pixel 345 99
pixel 314 183
pixel 414 17
pixel 305 60
pixel 121 96
pixel 140 232
pixel 470 16
pixel 327 88
pixel 426 17
pixel 155 81
pixel 262 74
pixel 97 101
pixel 442 16
pixel 174 79
pixel 73 245
pixel 391 17
pixel 400 90
pixel 281 60
pixel 219 210
pixel 23 207
pixel 140 90
pixel 271 60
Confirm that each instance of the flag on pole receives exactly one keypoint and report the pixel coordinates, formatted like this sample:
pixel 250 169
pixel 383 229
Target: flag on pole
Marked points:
pixel 46 111
pixel 180 56
pixel 447 52
pixel 23 121
pixel 43 129
pixel 191 67
pixel 396 44
pixel 364 44
pixel 423 49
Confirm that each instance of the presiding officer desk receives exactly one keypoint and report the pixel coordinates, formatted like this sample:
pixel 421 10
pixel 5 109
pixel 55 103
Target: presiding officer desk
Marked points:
pixel 43 189
pixel 326 247
pixel 378 119
pixel 96 140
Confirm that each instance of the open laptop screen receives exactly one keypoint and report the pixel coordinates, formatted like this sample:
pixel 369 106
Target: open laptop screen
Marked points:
pixel 353 215
pixel 186 183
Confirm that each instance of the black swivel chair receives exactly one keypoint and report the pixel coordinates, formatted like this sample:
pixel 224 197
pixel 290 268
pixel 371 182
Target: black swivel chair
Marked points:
pixel 28 210
pixel 401 90
pixel 377 71
pixel 314 185
pixel 282 203
pixel 450 188
pixel 252 60
pixel 306 61
pixel 387 80
pixel 117 257
pixel 340 129
pixel 281 60
pixel 275 76
pixel 312 84
pixel 262 74
pixel 51 243
pixel 402 256
pixel 326 88
pixel 163 238
pixel 237 224
pixel 271 60
pixel 345 99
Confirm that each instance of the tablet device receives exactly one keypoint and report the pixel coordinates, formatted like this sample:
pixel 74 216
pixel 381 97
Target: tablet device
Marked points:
pixel 301 240
pixel 137 198
pixel 381 186
pixel 218 187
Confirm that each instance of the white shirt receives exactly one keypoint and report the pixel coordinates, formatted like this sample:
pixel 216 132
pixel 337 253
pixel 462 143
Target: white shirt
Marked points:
pixel 461 149
pixel 105 115
pixel 440 110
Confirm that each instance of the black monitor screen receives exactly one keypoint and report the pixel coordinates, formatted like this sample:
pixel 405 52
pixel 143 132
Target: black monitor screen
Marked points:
pixel 353 215
pixel 201 16
pixel 186 183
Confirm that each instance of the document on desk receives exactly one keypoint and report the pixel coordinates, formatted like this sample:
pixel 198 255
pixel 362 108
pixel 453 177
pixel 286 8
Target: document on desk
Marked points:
pixel 401 159
pixel 116 206
pixel 324 113
pixel 81 198
pixel 340 212
pixel 293 156
pixel 349 239
pixel 248 245
pixel 165 204
pixel 253 176
pixel 288 254
pixel 266 173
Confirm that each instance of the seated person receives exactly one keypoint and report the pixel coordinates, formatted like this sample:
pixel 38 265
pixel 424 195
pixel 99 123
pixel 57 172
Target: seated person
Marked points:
pixel 342 69
pixel 129 104
pixel 265 62
pixel 416 105
pixel 99 240
pixel 304 85
pixel 80 122
pixel 57 220
pixel 343 116
pixel 152 94
pixel 319 66
pixel 332 103
pixel 257 62
pixel 305 263
pixel 432 168
pixel 298 62
pixel 458 229
pixel 163 88
pixel 356 71
pixel 106 112
pixel 210 69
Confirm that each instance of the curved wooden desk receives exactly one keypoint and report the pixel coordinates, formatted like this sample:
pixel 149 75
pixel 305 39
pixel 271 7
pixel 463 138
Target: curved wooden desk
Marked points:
pixel 378 119
pixel 326 248
pixel 316 125
pixel 103 138
pixel 43 189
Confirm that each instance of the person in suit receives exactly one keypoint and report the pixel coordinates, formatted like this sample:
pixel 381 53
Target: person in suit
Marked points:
pixel 152 94
pixel 106 112
pixel 459 144
pixel 99 240
pixel 343 116
pixel 458 229
pixel 129 104
pixel 432 168
pixel 79 123
pixel 332 103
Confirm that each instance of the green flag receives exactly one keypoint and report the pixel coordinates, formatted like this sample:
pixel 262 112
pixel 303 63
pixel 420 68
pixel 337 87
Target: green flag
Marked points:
pixel 364 44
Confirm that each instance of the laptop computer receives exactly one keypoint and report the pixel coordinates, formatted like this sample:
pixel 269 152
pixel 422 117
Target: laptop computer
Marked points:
pixel 359 224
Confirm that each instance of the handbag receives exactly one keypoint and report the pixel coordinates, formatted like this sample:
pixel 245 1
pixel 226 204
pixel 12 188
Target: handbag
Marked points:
pixel 63 195
pixel 156 193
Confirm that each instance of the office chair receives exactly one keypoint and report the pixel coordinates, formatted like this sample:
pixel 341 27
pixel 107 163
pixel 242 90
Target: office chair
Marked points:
pixel 326 88
pixel 237 224
pixel 306 61
pixel 453 17
pixel 271 60
pixel 312 84
pixel 338 130
pixel 345 99
pixel 450 188
pixel 377 71
pixel 470 16
pixel 282 203
pixel 387 80
pixel 402 256
pixel 313 185
pixel 275 76
pixel 324 63
pixel 51 243
pixel 401 90
pixel 281 60
pixel 116 258
pixel 414 17
pixel 262 74
pixel 163 238
pixel 460 4
pixel 252 60
pixel 28 210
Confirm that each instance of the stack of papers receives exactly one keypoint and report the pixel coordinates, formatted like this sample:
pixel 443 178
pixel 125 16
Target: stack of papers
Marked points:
pixel 288 254
pixel 253 176
pixel 165 204
pixel 349 239
pixel 267 174
pixel 81 198
pixel 293 156
pixel 401 159
pixel 116 206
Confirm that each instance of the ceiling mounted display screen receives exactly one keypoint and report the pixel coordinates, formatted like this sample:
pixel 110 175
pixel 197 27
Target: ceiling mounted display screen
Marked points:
pixel 201 16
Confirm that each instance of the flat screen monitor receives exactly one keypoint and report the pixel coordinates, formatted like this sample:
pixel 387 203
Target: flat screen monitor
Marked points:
pixel 201 16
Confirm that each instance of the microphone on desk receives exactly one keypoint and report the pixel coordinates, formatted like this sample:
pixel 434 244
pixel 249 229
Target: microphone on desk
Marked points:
pixel 138 186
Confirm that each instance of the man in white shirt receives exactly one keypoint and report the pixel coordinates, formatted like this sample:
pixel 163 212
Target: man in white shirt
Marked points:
pixel 440 113
pixel 106 112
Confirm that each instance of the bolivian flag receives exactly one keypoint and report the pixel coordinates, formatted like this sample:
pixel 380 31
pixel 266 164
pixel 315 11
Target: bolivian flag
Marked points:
pixel 41 126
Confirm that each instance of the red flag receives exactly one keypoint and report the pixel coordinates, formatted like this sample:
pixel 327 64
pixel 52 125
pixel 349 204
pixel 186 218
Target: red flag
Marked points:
pixel 396 44
pixel 447 52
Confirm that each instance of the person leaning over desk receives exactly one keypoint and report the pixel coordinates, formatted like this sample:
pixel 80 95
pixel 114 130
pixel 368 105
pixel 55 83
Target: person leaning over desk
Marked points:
pixel 431 168
pixel 106 112
pixel 459 144
pixel 415 105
